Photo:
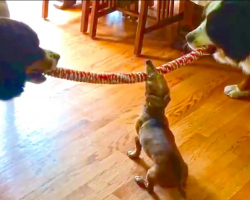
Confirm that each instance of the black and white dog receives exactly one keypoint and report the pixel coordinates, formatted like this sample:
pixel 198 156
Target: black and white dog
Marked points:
pixel 21 57
pixel 227 26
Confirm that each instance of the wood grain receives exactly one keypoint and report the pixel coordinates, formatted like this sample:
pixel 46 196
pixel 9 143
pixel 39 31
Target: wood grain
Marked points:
pixel 63 140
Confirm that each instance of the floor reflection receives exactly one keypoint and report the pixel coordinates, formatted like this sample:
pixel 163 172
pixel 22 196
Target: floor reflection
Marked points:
pixel 7 124
pixel 25 134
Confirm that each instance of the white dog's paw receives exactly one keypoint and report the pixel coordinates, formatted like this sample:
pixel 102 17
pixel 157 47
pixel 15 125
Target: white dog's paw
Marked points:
pixel 234 92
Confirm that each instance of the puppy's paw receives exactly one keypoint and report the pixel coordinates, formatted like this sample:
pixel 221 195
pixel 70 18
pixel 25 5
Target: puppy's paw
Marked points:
pixel 140 181
pixel 133 154
pixel 234 92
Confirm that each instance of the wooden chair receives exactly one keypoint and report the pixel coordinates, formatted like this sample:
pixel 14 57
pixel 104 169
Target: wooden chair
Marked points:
pixel 86 10
pixel 100 8
pixel 165 16
pixel 87 7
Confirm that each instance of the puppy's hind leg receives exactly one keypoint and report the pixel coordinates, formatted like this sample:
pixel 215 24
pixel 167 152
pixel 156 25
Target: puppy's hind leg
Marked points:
pixel 133 154
pixel 182 179
pixel 149 182
pixel 182 191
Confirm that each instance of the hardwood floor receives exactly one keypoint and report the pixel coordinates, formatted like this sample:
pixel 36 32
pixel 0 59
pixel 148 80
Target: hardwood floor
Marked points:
pixel 68 141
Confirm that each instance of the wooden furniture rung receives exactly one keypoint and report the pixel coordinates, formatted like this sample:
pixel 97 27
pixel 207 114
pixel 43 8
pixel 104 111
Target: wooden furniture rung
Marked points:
pixel 165 9
pixel 163 23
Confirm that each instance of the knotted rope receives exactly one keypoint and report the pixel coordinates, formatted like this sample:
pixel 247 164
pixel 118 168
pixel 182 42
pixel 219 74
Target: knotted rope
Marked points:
pixel 126 78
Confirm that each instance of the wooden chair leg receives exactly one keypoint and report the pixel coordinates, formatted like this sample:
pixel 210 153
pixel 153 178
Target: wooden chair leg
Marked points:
pixel 184 26
pixel 151 3
pixel 45 9
pixel 94 18
pixel 135 7
pixel 187 8
pixel 85 15
pixel 4 9
pixel 65 4
pixel 141 27
pixel 125 15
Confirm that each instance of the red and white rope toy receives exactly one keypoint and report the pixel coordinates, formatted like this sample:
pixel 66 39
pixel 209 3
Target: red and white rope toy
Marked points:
pixel 126 78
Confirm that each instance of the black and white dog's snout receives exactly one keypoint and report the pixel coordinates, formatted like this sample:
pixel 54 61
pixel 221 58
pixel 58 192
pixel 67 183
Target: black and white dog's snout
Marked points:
pixel 56 56
pixel 190 37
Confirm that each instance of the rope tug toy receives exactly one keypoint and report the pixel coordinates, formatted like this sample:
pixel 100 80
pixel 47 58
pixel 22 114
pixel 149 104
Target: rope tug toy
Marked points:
pixel 127 78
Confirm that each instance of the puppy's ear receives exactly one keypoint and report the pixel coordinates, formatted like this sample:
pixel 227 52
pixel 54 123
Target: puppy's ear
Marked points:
pixel 156 101
pixel 12 81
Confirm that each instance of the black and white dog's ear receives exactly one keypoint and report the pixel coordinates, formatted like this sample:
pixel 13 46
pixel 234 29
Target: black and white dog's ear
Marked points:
pixel 12 82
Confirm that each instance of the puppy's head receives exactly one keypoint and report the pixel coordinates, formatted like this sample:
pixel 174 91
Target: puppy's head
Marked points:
pixel 21 58
pixel 157 90
pixel 226 26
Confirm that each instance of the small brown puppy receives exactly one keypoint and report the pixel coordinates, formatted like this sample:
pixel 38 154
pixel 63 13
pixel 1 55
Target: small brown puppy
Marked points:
pixel 157 140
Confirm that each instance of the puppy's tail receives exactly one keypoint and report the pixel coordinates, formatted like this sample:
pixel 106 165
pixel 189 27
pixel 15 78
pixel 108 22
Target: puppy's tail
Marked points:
pixel 180 176
pixel 182 190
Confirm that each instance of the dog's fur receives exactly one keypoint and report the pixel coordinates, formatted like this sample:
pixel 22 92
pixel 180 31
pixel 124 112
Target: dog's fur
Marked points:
pixel 227 26
pixel 21 58
pixel 156 139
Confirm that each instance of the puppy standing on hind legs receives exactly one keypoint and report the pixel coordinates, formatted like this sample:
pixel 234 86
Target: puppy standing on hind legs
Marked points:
pixel 157 140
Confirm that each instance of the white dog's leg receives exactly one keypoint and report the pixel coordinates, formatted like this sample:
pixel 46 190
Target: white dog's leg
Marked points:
pixel 233 91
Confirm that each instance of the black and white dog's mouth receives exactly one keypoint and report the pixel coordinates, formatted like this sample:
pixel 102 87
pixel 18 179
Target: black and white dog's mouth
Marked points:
pixel 36 77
